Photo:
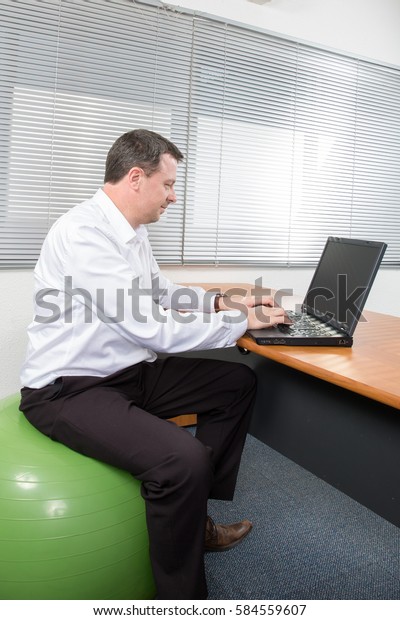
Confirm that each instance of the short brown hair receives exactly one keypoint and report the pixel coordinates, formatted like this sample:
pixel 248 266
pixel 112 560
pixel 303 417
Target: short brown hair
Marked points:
pixel 140 147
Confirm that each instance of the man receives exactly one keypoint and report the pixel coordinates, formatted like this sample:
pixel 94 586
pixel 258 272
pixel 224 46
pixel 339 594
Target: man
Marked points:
pixel 92 379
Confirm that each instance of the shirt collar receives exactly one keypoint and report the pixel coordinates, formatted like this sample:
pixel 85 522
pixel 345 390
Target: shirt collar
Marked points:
pixel 119 223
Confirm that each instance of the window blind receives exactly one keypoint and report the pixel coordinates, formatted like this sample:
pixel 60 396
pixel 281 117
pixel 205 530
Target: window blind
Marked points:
pixel 74 76
pixel 289 144
pixel 284 143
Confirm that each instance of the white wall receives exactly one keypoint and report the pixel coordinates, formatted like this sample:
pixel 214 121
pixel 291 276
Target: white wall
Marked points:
pixel 368 28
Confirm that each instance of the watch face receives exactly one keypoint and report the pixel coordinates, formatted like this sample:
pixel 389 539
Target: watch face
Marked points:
pixel 216 301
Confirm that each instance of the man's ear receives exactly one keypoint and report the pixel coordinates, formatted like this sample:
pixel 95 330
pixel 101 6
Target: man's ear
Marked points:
pixel 135 176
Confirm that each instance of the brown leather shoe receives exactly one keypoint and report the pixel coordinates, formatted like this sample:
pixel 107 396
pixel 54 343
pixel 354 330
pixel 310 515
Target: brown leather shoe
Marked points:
pixel 223 537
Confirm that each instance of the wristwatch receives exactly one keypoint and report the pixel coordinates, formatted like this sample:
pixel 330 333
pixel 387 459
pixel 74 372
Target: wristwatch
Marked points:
pixel 216 300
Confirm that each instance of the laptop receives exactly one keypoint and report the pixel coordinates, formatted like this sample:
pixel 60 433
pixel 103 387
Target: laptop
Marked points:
pixel 335 298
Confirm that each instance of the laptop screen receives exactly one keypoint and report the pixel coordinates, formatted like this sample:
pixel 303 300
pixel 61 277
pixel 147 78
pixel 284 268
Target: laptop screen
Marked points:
pixel 342 281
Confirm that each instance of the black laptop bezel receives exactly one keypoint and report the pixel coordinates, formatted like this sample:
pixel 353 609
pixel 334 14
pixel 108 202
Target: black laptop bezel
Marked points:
pixel 345 327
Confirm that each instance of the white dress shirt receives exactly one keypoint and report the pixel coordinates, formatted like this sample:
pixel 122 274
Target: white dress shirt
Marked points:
pixel 101 303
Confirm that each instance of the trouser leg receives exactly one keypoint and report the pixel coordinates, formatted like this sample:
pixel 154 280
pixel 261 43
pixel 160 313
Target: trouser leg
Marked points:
pixel 175 469
pixel 120 420
pixel 221 394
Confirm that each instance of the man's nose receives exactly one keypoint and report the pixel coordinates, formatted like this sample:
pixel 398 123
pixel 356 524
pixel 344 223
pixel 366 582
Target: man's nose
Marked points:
pixel 172 196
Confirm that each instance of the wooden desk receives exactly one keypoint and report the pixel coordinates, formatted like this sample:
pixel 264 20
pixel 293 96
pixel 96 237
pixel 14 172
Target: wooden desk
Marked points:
pixel 370 368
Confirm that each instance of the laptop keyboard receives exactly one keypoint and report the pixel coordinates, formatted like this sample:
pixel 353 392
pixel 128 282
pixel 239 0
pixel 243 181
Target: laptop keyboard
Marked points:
pixel 307 326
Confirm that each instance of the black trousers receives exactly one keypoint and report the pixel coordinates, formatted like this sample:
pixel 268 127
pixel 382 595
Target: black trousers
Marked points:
pixel 122 420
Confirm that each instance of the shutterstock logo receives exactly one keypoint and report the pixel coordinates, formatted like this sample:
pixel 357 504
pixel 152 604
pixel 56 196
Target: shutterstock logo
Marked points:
pixel 70 304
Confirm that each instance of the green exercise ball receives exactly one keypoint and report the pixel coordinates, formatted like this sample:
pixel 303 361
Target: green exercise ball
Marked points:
pixel 70 526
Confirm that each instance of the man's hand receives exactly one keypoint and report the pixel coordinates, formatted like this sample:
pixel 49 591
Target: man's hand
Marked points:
pixel 261 310
pixel 260 317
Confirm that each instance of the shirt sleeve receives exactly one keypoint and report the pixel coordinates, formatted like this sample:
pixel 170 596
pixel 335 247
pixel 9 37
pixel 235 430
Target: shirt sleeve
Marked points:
pixel 180 297
pixel 109 286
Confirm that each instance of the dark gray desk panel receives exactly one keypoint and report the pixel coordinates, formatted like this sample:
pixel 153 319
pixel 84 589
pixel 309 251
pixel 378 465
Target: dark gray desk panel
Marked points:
pixel 350 441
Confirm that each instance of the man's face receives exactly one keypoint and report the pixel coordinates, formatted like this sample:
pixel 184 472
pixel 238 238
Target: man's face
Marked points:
pixel 157 190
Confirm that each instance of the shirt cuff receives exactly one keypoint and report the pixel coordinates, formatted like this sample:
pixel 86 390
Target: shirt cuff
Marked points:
pixel 235 323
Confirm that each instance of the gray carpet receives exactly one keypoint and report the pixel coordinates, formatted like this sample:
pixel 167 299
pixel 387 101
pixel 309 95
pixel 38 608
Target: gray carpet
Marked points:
pixel 309 541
